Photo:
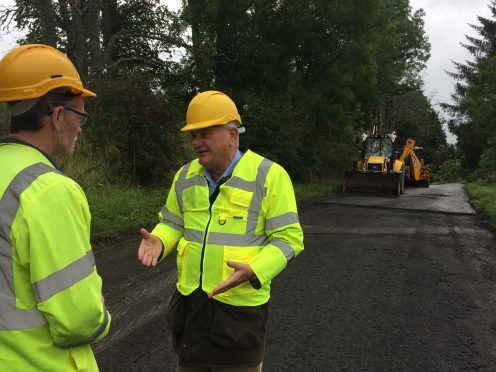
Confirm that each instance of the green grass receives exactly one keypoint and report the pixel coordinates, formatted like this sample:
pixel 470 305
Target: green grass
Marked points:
pixel 318 188
pixel 483 198
pixel 119 211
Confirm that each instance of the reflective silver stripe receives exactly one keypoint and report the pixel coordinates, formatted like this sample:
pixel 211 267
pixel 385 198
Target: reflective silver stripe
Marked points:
pixel 183 183
pixel 260 191
pixel 94 336
pixel 193 236
pixel 10 318
pixel 64 278
pixel 242 184
pixel 178 188
pixel 170 219
pixel 173 225
pixel 282 220
pixel 237 240
pixel 285 248
pixel 15 320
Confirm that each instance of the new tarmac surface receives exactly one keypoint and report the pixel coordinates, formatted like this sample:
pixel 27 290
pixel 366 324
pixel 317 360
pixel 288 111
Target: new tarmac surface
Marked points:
pixel 384 284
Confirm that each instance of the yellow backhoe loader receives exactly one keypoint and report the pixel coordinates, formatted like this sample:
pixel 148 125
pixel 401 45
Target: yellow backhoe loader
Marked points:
pixel 377 170
pixel 416 171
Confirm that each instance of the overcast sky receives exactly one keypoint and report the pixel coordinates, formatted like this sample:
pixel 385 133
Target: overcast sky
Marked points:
pixel 446 23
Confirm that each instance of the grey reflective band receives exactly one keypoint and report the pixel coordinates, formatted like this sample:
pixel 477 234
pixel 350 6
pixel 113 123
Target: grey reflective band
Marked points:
pixel 242 184
pixel 281 221
pixel 170 219
pixel 258 195
pixel 12 319
pixel 64 278
pixel 15 320
pixel 179 187
pixel 183 183
pixel 94 336
pixel 195 236
pixel 237 240
pixel 285 248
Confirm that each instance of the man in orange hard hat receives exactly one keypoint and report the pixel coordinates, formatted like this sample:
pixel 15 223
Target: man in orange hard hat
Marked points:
pixel 51 306
pixel 231 216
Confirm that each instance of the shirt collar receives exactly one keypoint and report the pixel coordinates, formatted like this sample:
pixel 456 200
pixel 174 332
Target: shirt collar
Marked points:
pixel 228 170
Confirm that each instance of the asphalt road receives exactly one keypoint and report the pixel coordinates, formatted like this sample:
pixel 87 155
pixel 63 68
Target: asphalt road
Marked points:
pixel 384 284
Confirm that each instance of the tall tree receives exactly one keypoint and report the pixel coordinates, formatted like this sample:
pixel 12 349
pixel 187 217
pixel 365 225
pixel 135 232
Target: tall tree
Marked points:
pixel 471 113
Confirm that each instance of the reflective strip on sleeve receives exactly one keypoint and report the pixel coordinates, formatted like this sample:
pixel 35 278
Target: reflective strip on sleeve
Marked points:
pixel 281 221
pixel 64 278
pixel 285 248
pixel 94 336
pixel 12 319
pixel 170 219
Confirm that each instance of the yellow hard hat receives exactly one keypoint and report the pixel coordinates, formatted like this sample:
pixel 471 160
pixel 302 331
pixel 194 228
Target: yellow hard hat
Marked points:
pixel 210 108
pixel 30 71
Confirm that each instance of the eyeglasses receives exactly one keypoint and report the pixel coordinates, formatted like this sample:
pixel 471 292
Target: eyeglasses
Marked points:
pixel 84 116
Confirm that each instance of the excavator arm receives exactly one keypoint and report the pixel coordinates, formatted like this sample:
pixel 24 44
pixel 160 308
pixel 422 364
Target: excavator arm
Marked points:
pixel 419 172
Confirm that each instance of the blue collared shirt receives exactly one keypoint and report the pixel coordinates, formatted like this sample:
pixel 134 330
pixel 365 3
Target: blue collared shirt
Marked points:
pixel 212 184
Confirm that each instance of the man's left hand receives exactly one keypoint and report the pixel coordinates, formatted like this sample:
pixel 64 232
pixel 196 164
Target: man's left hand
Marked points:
pixel 242 273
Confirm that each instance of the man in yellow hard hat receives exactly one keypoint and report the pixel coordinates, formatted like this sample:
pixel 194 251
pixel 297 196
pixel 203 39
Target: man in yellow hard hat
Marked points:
pixel 51 305
pixel 231 216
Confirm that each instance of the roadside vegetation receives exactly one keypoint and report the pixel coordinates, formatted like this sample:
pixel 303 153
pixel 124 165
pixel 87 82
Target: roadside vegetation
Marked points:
pixel 483 198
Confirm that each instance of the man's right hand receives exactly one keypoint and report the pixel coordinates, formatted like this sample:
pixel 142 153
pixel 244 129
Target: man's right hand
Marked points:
pixel 150 249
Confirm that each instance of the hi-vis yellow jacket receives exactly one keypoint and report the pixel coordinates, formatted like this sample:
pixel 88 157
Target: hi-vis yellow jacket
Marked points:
pixel 254 220
pixel 50 292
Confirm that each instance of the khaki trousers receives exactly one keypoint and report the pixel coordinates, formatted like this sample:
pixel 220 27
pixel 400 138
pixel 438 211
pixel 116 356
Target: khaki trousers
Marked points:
pixel 256 368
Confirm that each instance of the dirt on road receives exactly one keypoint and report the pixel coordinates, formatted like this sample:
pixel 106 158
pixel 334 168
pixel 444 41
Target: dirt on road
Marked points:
pixel 383 284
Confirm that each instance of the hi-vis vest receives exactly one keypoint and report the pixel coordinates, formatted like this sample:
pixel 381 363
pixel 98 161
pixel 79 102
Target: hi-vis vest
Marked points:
pixel 253 220
pixel 50 292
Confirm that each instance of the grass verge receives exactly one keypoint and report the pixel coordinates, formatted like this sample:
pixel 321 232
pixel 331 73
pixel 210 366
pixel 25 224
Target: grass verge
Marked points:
pixel 119 211
pixel 483 198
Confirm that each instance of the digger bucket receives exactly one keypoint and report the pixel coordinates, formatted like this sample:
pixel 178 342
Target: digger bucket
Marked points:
pixel 371 182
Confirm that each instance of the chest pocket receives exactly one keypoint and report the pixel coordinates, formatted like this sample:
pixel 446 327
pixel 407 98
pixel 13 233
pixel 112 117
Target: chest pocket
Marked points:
pixel 233 209
pixel 195 199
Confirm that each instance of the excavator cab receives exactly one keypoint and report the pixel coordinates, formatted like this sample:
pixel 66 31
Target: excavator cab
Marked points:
pixel 377 170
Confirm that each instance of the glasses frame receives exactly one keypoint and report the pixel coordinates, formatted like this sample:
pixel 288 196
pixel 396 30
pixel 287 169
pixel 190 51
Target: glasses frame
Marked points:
pixel 84 116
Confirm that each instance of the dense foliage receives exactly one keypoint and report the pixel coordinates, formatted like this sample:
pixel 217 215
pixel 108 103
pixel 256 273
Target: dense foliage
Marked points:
pixel 474 107
pixel 308 76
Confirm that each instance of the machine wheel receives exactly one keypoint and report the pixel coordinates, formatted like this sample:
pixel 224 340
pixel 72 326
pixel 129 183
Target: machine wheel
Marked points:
pixel 397 189
pixel 402 183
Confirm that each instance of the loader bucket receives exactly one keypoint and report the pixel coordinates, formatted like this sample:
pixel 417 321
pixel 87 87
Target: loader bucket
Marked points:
pixel 371 182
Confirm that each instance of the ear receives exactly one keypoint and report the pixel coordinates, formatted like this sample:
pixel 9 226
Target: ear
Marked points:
pixel 233 136
pixel 56 117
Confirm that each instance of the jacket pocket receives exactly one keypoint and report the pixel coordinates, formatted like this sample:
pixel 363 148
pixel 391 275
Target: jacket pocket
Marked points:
pixel 238 327
pixel 182 260
pixel 243 255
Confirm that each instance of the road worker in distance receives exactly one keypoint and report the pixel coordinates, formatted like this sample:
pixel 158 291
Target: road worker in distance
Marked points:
pixel 231 218
pixel 51 304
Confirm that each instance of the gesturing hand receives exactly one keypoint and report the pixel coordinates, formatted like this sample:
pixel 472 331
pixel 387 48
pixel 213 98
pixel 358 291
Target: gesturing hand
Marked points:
pixel 242 273
pixel 150 249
